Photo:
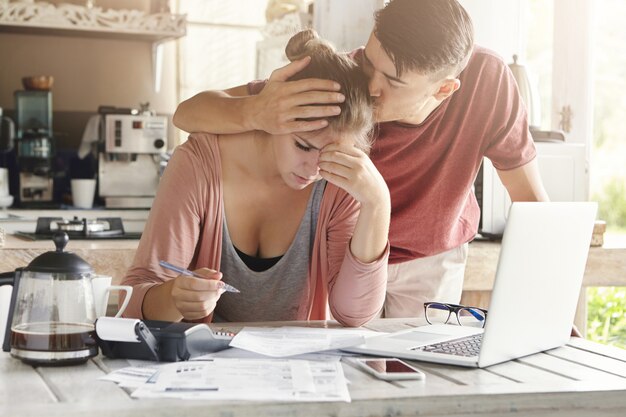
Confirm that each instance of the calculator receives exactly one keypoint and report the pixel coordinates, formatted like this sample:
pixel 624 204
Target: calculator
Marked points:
pixel 169 342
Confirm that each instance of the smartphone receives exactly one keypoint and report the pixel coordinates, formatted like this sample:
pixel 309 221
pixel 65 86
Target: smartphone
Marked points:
pixel 388 369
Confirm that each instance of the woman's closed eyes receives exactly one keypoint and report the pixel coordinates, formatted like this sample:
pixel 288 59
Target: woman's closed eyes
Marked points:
pixel 302 147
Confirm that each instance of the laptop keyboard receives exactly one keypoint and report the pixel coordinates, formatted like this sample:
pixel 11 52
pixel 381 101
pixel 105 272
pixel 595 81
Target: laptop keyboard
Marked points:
pixel 466 346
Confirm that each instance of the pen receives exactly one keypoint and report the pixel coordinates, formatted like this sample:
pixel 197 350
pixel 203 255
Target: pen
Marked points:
pixel 187 272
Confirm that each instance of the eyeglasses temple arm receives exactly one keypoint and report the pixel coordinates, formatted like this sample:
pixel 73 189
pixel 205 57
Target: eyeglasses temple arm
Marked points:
pixel 476 315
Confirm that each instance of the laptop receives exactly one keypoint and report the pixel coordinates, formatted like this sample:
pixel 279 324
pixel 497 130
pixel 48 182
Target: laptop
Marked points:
pixel 538 279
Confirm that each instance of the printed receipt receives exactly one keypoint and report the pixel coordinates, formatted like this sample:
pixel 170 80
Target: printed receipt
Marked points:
pixel 117 329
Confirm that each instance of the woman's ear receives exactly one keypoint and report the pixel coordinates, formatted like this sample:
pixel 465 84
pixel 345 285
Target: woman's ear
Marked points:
pixel 447 88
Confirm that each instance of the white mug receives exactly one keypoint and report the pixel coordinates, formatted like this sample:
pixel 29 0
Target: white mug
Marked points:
pixel 4 182
pixel 83 192
pixel 101 285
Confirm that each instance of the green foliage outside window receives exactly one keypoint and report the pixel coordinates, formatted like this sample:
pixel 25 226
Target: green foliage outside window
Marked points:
pixel 606 315
pixel 606 307
pixel 612 203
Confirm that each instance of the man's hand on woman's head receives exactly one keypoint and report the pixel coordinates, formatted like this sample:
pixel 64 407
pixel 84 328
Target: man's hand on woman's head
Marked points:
pixel 280 107
pixel 196 298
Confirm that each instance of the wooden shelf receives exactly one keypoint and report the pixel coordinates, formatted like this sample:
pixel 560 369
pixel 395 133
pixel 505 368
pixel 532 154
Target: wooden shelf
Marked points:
pixel 74 20
pixel 40 18
pixel 102 33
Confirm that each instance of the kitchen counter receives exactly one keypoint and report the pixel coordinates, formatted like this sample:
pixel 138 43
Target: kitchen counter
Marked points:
pixel 13 220
pixel 606 266
pixel 107 257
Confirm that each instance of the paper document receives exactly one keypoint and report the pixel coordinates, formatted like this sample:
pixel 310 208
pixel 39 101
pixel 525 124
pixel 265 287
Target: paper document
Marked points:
pixel 289 341
pixel 131 376
pixel 248 379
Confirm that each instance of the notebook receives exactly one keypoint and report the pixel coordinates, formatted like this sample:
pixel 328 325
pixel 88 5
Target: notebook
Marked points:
pixel 538 279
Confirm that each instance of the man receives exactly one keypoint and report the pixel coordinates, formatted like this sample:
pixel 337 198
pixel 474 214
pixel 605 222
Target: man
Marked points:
pixel 442 103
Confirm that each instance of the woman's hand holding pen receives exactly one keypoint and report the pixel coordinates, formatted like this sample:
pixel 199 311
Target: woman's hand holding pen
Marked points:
pixel 347 167
pixel 194 297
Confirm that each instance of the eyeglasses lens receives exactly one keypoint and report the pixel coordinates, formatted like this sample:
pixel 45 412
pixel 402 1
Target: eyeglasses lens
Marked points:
pixel 471 317
pixel 437 313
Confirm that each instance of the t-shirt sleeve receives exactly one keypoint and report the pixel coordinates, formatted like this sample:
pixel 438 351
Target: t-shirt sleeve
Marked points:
pixel 511 144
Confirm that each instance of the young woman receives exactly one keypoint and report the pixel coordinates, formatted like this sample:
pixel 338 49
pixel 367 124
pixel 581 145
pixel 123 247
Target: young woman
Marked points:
pixel 297 222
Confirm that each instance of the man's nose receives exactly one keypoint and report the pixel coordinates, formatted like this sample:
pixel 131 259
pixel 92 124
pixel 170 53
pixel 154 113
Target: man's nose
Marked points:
pixel 374 85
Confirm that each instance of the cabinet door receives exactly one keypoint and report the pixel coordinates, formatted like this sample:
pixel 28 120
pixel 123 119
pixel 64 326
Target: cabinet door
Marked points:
pixel 562 168
pixel 563 172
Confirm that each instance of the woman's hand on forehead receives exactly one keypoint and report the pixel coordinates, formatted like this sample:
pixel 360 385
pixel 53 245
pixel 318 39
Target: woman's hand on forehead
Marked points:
pixel 348 167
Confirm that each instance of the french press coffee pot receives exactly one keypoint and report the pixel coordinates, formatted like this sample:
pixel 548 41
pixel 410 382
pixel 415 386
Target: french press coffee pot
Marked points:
pixel 51 321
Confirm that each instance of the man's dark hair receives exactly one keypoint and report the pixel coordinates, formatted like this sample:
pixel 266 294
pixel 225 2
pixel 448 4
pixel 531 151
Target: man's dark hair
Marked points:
pixel 433 37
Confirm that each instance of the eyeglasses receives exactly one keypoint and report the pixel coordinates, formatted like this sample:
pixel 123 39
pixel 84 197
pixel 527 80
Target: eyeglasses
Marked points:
pixel 440 313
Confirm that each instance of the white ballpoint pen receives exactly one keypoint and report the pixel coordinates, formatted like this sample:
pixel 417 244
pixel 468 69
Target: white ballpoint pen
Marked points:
pixel 184 271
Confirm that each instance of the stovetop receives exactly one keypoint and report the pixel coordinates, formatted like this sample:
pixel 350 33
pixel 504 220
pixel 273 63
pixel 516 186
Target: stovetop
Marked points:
pixel 46 229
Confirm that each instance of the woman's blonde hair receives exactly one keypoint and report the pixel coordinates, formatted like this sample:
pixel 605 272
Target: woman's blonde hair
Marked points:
pixel 356 115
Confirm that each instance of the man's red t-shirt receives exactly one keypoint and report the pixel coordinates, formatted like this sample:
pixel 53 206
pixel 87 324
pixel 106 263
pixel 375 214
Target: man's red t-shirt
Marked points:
pixel 430 168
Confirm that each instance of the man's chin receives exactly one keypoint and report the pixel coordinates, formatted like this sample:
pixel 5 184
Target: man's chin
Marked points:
pixel 382 117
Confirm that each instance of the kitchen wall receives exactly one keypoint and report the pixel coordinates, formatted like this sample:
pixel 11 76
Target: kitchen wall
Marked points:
pixel 88 72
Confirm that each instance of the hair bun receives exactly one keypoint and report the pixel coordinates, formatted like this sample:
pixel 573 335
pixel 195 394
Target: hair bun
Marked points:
pixel 305 43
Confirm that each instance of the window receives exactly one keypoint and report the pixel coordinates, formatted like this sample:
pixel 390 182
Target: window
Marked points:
pixel 539 17
pixel 589 76
pixel 219 50
pixel 576 50
pixel 607 305
pixel 608 172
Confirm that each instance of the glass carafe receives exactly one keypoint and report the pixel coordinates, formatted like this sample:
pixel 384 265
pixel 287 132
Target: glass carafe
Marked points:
pixel 54 314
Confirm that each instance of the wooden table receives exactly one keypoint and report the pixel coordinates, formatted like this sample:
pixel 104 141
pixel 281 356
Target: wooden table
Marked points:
pixel 580 379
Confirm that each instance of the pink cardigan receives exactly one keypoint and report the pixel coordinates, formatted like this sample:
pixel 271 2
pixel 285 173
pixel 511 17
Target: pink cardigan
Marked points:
pixel 185 228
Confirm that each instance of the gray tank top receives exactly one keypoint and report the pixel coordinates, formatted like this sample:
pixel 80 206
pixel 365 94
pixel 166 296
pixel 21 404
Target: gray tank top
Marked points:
pixel 278 293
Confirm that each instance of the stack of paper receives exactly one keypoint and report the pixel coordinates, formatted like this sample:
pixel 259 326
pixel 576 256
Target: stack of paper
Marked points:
pixel 253 371
pixel 238 379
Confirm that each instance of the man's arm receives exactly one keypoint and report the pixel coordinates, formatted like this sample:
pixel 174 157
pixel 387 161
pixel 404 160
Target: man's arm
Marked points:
pixel 214 112
pixel 524 183
pixel 281 107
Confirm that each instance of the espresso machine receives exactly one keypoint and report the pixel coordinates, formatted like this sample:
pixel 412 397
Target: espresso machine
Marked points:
pixel 129 156
pixel 35 147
